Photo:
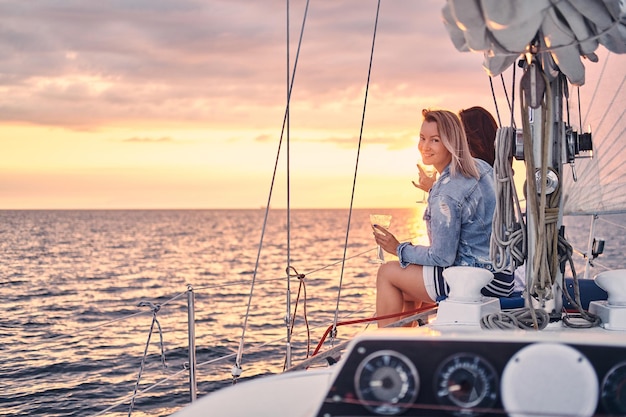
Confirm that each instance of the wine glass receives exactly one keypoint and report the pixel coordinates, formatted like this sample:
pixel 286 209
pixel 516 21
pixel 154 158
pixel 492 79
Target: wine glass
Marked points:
pixel 383 220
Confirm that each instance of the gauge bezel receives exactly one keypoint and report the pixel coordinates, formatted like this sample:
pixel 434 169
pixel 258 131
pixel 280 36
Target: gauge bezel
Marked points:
pixel 480 368
pixel 404 370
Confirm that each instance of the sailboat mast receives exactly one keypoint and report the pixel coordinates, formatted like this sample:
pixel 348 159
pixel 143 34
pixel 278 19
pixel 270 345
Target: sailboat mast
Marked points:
pixel 544 132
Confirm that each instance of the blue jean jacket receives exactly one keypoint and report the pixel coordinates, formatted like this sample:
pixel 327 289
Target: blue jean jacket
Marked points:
pixel 458 220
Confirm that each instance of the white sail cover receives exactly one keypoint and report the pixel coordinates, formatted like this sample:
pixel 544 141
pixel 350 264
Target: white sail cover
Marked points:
pixel 569 29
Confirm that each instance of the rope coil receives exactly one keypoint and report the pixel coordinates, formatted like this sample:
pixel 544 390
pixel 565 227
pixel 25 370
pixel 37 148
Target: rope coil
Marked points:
pixel 522 318
pixel 508 237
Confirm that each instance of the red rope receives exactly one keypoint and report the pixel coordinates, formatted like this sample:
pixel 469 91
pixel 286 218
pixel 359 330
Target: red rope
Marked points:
pixel 388 316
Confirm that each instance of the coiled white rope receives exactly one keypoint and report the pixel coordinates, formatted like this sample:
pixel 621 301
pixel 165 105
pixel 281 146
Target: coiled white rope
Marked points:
pixel 522 318
pixel 508 236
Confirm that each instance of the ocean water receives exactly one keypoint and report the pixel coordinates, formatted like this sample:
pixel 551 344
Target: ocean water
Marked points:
pixel 77 289
pixel 72 333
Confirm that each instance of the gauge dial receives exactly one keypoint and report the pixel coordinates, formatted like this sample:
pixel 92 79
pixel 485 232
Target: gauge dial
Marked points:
pixel 467 381
pixel 386 382
pixel 613 393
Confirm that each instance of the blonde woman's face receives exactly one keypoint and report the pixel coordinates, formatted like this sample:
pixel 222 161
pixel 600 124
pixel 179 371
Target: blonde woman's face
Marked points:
pixel 431 147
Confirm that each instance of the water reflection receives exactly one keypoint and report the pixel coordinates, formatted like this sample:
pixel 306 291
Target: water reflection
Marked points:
pixel 71 274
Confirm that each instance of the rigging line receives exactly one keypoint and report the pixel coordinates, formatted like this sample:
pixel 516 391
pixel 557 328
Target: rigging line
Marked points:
pixel 512 101
pixel 356 255
pixel 87 329
pixel 612 223
pixel 580 117
pixel 154 309
pixel 506 94
pixel 269 198
pixel 595 263
pixel 567 101
pixel 292 322
pixel 610 105
pixel 322 268
pixel 288 318
pixel 356 166
pixel 140 392
pixel 595 91
pixel 621 116
pixel 280 339
pixel 495 101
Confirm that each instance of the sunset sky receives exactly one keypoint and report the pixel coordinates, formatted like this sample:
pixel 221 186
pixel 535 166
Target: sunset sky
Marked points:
pixel 180 103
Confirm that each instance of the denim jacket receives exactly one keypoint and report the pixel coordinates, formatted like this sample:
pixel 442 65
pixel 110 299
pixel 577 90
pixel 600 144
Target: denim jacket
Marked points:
pixel 458 220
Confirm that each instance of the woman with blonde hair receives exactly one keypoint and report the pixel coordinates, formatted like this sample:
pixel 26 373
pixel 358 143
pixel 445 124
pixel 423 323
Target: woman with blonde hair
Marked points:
pixel 480 129
pixel 458 220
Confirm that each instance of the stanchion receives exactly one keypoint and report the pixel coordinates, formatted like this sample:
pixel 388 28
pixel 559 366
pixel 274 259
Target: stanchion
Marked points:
pixel 193 388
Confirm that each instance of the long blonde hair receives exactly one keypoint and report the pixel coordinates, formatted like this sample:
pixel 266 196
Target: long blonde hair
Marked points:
pixel 453 138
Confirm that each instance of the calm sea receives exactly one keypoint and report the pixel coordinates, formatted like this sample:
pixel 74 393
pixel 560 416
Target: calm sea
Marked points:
pixel 77 289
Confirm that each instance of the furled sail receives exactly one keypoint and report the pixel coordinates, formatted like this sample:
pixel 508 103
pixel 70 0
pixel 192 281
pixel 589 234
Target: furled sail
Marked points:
pixel 570 29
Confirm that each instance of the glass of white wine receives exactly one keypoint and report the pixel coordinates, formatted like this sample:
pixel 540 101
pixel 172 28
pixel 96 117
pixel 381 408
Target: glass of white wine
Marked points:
pixel 382 220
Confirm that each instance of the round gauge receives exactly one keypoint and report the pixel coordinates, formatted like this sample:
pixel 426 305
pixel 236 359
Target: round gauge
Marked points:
pixel 467 381
pixel 386 382
pixel 613 392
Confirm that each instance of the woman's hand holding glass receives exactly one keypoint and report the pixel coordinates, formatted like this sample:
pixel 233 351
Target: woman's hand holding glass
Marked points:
pixel 381 221
pixel 385 240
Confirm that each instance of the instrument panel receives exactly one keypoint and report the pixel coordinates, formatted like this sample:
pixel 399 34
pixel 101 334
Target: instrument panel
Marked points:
pixel 514 375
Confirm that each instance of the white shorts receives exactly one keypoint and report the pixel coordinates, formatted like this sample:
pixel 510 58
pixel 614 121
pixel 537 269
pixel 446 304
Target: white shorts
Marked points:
pixel 500 286
pixel 434 283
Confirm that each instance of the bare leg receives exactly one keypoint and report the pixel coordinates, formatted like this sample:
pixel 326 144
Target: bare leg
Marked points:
pixel 410 305
pixel 394 285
